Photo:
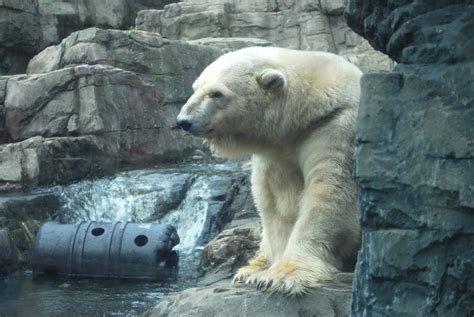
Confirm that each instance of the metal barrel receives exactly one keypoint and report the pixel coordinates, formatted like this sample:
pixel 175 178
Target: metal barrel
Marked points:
pixel 98 249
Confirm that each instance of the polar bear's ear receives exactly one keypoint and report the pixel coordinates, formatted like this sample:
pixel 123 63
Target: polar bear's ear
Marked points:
pixel 271 79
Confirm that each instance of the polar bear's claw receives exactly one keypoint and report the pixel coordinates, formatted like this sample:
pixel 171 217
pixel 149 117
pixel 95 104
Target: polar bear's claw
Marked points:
pixel 289 278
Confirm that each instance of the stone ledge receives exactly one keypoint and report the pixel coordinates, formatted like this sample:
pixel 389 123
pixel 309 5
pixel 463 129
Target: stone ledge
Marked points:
pixel 226 299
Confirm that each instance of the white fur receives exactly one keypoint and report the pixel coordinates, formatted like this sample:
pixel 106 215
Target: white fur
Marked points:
pixel 300 134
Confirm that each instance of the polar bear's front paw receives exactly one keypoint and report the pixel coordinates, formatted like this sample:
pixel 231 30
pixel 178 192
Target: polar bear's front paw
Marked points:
pixel 291 278
pixel 247 274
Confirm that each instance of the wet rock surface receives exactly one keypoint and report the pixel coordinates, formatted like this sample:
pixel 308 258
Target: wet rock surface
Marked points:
pixel 20 218
pixel 225 299
pixel 414 161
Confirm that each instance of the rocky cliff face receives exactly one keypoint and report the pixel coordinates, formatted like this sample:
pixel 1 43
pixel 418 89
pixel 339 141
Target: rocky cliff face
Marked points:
pixel 28 26
pixel 69 122
pixel 414 160
pixel 304 25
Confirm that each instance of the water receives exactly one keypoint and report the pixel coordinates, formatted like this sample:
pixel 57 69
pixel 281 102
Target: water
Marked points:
pixel 185 196
pixel 25 295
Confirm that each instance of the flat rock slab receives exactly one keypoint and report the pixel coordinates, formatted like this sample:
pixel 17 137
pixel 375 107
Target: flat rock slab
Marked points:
pixel 226 299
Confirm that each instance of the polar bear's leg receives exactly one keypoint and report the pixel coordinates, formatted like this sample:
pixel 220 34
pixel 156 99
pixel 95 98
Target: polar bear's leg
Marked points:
pixel 316 246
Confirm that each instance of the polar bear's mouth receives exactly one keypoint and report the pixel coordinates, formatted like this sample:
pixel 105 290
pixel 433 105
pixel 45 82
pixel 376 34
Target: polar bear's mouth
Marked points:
pixel 202 133
pixel 208 133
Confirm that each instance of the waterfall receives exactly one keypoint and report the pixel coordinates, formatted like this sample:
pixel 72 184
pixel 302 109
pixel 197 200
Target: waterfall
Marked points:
pixel 189 197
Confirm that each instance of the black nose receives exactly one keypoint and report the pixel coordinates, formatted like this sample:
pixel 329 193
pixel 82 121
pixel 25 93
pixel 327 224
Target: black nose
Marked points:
pixel 184 124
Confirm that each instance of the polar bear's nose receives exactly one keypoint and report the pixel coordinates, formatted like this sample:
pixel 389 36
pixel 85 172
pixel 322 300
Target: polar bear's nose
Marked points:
pixel 184 124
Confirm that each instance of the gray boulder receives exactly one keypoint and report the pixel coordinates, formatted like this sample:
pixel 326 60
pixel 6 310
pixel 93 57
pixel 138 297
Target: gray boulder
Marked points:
pixel 171 65
pixel 225 299
pixel 82 100
pixel 20 34
pixel 41 161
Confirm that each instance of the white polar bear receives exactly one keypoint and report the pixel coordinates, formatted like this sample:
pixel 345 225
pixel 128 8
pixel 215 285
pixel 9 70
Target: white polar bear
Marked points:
pixel 294 112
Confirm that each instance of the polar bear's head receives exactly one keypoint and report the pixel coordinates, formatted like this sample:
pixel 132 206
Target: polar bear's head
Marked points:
pixel 234 103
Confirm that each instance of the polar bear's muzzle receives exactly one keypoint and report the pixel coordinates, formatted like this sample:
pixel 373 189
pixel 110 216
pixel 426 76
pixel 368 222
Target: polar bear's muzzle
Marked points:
pixel 195 119
pixel 195 127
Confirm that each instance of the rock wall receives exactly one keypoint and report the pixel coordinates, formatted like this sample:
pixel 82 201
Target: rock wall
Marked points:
pixel 69 122
pixel 305 25
pixel 415 159
pixel 28 26
pixel 20 34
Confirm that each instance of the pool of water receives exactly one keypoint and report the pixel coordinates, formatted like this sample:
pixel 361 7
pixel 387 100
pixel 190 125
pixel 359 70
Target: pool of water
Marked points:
pixel 189 194
pixel 26 294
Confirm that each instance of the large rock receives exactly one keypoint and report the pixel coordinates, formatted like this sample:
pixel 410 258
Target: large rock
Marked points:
pixel 28 26
pixel 42 161
pixel 83 100
pixel 59 18
pixel 20 34
pixel 170 65
pixel 414 169
pixel 20 218
pixel 302 25
pixel 414 161
pixel 231 249
pixel 225 299
pixel 82 120
pixel 416 32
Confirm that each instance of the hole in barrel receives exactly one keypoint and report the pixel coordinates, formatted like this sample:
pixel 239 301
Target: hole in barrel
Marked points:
pixel 141 240
pixel 98 231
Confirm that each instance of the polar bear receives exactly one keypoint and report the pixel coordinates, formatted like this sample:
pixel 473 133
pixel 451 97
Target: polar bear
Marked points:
pixel 294 112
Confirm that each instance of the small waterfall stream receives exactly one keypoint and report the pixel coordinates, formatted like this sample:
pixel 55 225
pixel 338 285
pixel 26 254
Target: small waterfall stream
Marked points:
pixel 184 197
pixel 192 197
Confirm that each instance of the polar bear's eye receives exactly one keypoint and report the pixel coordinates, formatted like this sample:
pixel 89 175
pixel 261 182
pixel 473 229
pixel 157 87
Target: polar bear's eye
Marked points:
pixel 216 94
